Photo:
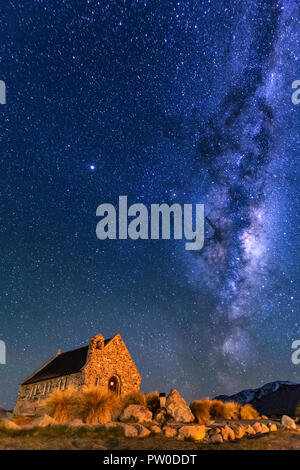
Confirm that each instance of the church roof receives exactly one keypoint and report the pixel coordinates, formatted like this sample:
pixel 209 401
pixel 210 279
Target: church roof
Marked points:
pixel 65 363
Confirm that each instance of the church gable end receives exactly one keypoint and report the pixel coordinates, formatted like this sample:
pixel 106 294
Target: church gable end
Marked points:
pixel 110 366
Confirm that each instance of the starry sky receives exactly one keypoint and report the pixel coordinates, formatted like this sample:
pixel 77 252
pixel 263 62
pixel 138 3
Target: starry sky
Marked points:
pixel 184 101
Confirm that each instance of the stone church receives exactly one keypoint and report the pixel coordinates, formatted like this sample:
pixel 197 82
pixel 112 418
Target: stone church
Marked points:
pixel 105 363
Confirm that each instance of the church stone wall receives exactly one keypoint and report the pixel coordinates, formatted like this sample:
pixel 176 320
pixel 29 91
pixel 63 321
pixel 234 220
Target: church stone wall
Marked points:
pixel 112 360
pixel 30 396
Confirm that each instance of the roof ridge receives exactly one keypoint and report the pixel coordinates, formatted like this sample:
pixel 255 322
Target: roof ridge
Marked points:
pixel 65 363
pixel 72 350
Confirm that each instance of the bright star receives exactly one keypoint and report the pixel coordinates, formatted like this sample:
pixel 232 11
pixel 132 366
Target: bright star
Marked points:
pixel 92 167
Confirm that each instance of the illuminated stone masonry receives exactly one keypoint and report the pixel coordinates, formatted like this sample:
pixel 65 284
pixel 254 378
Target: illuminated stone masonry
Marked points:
pixel 105 363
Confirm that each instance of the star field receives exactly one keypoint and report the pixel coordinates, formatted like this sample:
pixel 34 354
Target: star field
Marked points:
pixel 179 101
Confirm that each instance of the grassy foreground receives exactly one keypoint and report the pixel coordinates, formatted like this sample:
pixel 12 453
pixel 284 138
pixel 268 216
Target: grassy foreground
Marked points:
pixel 100 438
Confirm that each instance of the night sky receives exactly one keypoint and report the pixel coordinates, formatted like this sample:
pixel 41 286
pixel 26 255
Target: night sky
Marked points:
pixel 163 101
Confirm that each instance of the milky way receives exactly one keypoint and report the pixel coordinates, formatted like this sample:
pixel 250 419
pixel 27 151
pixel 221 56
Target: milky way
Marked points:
pixel 240 155
pixel 239 150
pixel 180 101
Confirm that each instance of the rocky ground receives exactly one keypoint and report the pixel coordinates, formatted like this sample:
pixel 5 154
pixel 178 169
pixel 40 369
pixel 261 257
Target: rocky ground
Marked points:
pixel 281 440
pixel 172 427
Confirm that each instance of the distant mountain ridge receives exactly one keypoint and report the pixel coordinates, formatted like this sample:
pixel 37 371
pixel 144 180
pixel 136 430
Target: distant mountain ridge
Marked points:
pixel 274 398
pixel 251 394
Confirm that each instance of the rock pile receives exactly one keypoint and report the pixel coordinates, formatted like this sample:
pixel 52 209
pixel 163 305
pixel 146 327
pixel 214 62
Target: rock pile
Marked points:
pixel 176 421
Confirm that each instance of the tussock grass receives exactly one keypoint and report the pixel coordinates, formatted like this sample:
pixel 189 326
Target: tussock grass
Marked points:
pixel 91 404
pixel 248 412
pixel 201 410
pixel 206 409
pixel 61 404
pixel 228 410
pixel 152 401
pixel 217 409
pixel 134 398
pixel 149 400
pixel 95 406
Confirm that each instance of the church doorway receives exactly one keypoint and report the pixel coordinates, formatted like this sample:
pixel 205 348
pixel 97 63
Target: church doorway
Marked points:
pixel 114 385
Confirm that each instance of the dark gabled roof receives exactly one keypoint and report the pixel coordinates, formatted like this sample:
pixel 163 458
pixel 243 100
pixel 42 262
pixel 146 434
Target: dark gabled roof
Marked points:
pixel 66 363
pixel 63 364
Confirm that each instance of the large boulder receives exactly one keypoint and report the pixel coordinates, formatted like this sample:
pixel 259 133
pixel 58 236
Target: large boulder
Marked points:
pixel 195 432
pixel 288 423
pixel 178 409
pixel 137 414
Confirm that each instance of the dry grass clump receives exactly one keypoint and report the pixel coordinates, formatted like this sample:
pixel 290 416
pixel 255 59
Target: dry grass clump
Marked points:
pixel 90 403
pixel 149 400
pixel 217 409
pixel 231 410
pixel 248 412
pixel 96 406
pixel 134 398
pixel 201 410
pixel 152 401
pixel 206 409
pixel 60 404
